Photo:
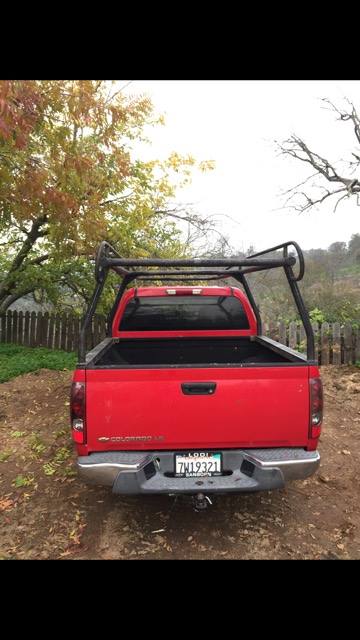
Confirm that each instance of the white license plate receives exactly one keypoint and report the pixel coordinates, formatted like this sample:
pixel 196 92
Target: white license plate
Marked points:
pixel 197 464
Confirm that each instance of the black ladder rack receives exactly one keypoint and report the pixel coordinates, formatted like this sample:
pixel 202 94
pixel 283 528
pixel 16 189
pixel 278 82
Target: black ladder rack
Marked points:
pixel 216 269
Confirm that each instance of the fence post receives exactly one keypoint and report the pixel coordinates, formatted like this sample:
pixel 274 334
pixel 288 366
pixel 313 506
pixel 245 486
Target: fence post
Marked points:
pixel 51 331
pixel 315 328
pixel 14 336
pixel 70 340
pixel 20 327
pixel 302 338
pixel 44 329
pixel 8 326
pixel 347 343
pixel 27 328
pixel 96 329
pixel 38 335
pixel 89 338
pixel 64 329
pixel 282 332
pixel 272 330
pixel 357 344
pixel 32 329
pixel 76 333
pixel 336 347
pixel 292 335
pixel 325 343
pixel 3 327
pixel 102 328
pixel 57 332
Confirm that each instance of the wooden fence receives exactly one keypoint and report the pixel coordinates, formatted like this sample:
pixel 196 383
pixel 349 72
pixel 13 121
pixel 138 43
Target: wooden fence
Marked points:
pixel 334 343
pixel 53 331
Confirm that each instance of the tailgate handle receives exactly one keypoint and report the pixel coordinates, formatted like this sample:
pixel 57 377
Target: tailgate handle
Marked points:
pixel 198 388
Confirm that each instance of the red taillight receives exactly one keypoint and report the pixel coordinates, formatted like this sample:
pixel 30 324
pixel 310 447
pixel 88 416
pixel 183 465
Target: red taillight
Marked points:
pixel 77 412
pixel 316 407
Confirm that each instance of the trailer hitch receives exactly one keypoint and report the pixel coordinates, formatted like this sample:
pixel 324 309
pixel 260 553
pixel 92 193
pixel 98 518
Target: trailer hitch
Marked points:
pixel 201 502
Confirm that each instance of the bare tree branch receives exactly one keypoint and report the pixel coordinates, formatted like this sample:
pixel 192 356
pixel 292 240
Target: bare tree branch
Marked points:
pixel 301 184
pixel 17 241
pixel 39 259
pixel 347 185
pixel 35 232
pixel 346 116
pixel 198 227
pixel 116 199
pixel 12 298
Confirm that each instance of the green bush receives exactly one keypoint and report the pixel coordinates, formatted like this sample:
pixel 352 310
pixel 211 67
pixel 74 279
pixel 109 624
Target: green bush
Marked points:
pixel 316 315
pixel 16 360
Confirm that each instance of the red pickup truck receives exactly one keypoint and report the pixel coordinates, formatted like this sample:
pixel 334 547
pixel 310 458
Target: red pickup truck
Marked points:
pixel 185 395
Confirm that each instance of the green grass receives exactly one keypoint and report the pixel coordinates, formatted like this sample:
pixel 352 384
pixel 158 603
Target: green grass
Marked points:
pixel 353 269
pixel 16 360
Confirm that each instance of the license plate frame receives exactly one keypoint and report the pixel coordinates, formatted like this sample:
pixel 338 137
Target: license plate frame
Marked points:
pixel 193 471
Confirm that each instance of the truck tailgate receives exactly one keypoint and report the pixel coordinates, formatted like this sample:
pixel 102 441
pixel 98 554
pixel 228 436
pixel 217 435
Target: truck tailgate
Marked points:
pixel 134 409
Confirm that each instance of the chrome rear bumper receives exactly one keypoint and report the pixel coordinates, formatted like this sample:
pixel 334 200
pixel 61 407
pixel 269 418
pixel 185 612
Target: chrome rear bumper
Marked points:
pixel 152 472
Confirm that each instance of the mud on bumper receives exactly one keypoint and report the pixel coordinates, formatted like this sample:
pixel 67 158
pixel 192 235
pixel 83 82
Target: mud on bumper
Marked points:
pixel 152 472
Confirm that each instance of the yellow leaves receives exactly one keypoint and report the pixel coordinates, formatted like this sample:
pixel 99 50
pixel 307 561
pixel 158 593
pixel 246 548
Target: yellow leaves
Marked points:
pixel 166 189
pixel 183 166
pixel 161 120
pixel 207 165
pixel 178 162
pixel 150 165
pixel 74 536
pixel 76 532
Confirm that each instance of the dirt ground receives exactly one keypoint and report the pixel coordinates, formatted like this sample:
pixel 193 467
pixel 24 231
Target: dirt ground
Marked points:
pixel 46 512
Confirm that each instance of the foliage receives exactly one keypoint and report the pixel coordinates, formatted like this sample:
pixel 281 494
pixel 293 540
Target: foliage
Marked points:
pixel 49 469
pixel 329 288
pixel 316 315
pixel 5 455
pixel 69 178
pixel 61 455
pixel 36 444
pixel 16 360
pixel 23 481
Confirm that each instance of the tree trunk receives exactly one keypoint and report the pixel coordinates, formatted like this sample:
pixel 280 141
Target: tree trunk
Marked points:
pixel 11 279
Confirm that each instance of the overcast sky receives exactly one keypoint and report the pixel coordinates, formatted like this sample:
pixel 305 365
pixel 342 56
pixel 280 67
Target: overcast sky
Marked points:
pixel 235 123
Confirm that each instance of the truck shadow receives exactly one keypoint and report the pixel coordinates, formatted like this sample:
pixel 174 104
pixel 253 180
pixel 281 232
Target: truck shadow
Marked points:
pixel 159 526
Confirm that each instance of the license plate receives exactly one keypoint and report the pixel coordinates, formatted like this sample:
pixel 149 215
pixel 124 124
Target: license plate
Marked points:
pixel 197 464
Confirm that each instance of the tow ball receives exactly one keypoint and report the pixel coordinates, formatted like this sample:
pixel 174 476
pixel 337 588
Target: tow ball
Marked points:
pixel 201 501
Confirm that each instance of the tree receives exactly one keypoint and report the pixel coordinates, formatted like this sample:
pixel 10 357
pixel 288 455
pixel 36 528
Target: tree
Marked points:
pixel 68 179
pixel 329 287
pixel 329 181
pixel 354 246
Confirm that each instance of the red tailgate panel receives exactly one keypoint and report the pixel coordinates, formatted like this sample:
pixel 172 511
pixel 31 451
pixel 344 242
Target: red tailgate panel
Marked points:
pixel 146 408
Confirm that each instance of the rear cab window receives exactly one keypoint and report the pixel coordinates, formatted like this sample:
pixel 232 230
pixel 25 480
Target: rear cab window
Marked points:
pixel 181 313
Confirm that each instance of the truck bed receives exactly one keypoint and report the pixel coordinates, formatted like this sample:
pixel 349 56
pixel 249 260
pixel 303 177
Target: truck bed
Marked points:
pixel 195 393
pixel 192 352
